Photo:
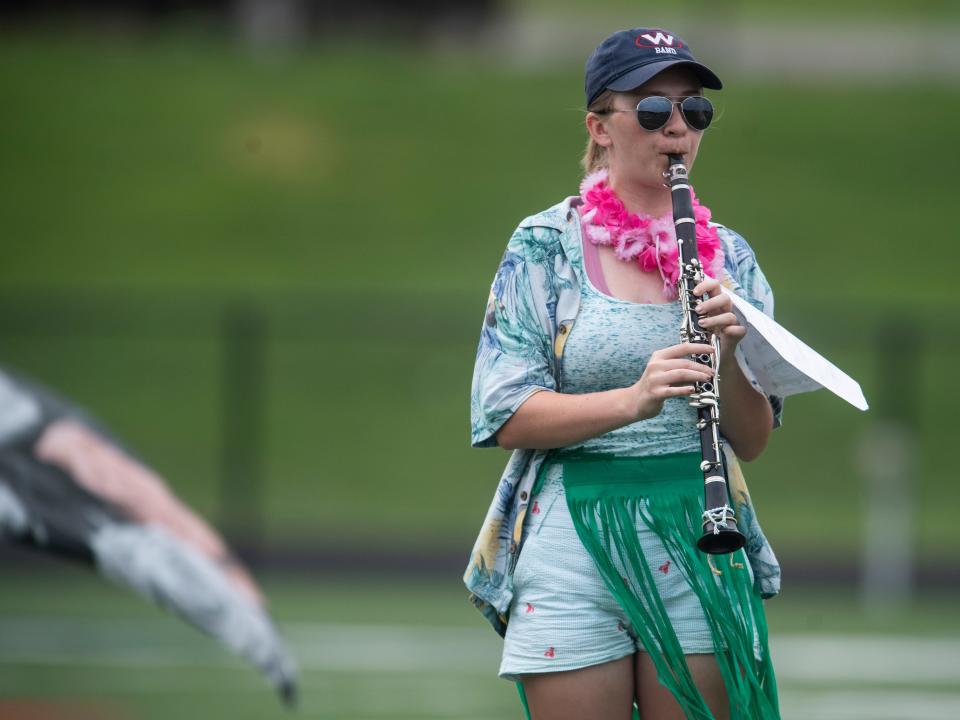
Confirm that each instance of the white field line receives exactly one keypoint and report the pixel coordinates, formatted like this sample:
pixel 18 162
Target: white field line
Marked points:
pixel 410 649
pixel 869 703
pixel 868 659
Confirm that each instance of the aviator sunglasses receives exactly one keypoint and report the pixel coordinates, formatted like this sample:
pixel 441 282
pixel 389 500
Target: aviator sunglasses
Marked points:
pixel 655 111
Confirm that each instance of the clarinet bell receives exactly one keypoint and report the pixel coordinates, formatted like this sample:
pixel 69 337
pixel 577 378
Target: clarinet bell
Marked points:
pixel 723 541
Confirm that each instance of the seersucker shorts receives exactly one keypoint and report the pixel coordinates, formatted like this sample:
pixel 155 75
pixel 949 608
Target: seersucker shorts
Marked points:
pixel 562 616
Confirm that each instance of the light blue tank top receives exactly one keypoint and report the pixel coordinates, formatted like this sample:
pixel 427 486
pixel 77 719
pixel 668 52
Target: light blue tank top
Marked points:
pixel 608 348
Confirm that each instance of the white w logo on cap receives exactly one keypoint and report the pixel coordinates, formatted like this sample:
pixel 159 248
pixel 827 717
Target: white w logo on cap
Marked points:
pixel 658 38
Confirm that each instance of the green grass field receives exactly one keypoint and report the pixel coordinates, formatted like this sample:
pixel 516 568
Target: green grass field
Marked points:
pixel 148 183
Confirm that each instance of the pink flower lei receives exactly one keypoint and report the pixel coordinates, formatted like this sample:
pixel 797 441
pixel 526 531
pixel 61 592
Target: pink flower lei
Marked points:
pixel 650 241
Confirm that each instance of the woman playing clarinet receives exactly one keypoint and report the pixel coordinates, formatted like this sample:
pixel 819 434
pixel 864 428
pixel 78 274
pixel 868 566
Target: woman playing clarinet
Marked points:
pixel 588 561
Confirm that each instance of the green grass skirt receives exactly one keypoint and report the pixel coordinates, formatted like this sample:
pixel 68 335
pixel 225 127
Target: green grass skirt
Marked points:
pixel 607 497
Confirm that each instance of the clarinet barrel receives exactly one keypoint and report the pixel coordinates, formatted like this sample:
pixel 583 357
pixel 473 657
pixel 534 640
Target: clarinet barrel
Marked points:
pixel 720 533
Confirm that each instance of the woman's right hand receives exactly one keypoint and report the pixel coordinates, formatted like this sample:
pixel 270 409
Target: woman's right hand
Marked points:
pixel 669 373
pixel 553 420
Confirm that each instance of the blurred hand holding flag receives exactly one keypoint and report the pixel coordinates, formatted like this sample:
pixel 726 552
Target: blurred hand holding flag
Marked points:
pixel 67 487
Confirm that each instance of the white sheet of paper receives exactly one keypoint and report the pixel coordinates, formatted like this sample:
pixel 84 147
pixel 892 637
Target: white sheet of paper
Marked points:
pixel 783 364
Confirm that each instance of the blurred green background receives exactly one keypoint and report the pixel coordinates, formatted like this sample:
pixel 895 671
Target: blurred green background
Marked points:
pixel 332 208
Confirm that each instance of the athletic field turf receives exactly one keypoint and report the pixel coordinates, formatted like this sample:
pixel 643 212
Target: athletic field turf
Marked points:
pixel 376 649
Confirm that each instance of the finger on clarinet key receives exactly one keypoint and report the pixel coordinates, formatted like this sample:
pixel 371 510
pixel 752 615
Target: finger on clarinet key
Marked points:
pixel 724 320
pixel 687 349
pixel 718 302
pixel 709 285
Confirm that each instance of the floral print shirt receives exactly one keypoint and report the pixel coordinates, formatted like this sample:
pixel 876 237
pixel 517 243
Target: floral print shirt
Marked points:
pixel 531 309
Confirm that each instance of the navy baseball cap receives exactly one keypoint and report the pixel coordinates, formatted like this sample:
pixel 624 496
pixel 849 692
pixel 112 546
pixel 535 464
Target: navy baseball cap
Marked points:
pixel 627 59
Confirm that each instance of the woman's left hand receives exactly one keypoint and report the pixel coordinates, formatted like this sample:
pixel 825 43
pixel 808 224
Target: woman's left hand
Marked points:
pixel 716 316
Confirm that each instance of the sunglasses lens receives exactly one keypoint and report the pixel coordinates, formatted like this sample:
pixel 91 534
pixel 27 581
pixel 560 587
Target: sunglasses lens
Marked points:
pixel 697 111
pixel 654 112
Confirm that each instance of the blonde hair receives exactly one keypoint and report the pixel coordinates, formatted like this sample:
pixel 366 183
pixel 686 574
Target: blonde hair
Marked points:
pixel 595 156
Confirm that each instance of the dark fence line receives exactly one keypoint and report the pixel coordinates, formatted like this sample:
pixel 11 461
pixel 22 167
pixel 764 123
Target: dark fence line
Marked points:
pixel 344 561
pixel 244 326
pixel 440 316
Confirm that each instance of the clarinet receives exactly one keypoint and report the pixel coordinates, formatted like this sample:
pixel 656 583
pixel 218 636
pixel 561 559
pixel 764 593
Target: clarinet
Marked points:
pixel 720 533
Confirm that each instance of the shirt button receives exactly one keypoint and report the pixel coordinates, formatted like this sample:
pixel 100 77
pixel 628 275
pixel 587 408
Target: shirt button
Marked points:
pixel 523 495
pixel 513 547
pixel 563 330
